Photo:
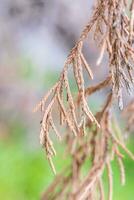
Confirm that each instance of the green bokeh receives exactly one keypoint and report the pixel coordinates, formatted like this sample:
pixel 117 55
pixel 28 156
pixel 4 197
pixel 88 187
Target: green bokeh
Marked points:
pixel 25 173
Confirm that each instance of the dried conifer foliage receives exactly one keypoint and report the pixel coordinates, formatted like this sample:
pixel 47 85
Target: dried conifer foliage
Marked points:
pixel 128 114
pixel 91 137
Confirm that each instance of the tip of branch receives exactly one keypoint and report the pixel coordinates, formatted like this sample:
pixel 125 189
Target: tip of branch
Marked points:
pixel 98 62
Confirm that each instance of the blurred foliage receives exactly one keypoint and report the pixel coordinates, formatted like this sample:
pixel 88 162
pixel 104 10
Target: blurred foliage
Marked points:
pixel 25 173
pixel 49 77
pixel 27 70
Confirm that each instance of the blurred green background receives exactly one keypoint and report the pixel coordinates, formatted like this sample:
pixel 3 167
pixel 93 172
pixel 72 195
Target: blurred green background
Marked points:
pixel 25 173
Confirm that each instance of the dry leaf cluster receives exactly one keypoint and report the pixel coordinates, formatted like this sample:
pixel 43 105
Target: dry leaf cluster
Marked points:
pixel 128 114
pixel 93 137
